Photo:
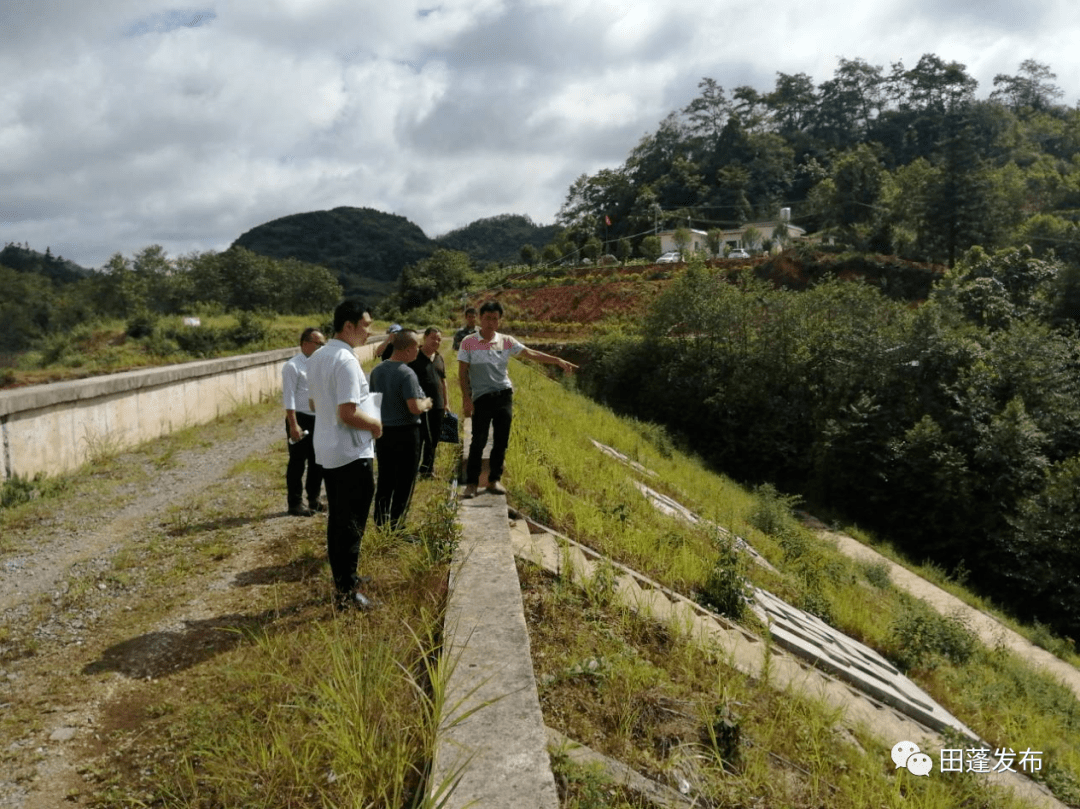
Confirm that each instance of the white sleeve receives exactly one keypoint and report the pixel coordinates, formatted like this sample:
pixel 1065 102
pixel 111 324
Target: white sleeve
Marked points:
pixel 289 377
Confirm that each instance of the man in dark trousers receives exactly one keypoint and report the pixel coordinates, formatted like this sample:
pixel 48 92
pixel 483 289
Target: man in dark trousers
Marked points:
pixel 487 394
pixel 300 427
pixel 430 369
pixel 345 433
pixel 398 450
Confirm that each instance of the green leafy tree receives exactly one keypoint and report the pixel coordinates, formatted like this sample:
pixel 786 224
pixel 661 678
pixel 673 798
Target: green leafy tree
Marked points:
pixel 850 200
pixel 936 85
pixel 446 271
pixel 994 290
pixel 714 238
pixel 310 288
pixel 28 308
pixel 651 247
pixel 752 238
pixel 681 237
pixel 529 254
pixel 708 113
pixel 1042 561
pixel 1032 88
pixel 591 249
pixel 119 291
pixel 731 193
pixel 793 103
pixel 848 103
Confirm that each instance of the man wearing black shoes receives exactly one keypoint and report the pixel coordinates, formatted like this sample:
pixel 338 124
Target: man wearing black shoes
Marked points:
pixel 299 426
pixel 487 394
pixel 345 434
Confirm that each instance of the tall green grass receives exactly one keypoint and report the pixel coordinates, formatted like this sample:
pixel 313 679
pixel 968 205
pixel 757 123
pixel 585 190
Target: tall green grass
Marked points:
pixel 556 473
pixel 280 700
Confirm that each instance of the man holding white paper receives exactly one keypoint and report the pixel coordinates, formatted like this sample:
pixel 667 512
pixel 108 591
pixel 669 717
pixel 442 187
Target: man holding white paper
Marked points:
pixel 346 426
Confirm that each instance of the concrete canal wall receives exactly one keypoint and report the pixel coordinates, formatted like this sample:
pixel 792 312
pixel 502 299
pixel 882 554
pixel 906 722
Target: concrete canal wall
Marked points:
pixel 58 427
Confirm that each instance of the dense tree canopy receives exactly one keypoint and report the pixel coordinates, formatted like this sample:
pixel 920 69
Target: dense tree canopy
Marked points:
pixel 953 427
pixel 142 287
pixel 900 160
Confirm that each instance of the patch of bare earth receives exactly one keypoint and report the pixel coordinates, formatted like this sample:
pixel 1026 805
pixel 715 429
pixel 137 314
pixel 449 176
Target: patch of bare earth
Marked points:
pixel 109 608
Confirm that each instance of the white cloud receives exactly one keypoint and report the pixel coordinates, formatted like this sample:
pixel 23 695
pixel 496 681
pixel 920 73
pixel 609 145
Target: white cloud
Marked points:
pixel 130 122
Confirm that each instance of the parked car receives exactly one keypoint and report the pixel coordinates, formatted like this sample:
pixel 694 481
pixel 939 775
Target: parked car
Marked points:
pixel 738 252
pixel 670 257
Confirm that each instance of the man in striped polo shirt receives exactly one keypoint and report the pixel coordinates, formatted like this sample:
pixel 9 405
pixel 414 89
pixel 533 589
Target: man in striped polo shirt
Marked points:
pixel 488 396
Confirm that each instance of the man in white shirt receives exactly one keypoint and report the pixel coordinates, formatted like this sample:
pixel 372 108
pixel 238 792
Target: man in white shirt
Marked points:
pixel 344 441
pixel 299 427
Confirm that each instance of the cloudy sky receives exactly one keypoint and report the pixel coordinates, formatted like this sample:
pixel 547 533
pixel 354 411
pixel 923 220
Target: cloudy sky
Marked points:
pixel 125 123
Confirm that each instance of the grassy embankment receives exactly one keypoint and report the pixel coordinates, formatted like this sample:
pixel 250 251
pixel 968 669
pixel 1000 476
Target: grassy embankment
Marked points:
pixel 608 678
pixel 613 681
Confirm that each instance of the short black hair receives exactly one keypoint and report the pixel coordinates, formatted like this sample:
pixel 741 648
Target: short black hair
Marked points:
pixel 491 306
pixel 306 333
pixel 471 310
pixel 349 311
pixel 404 340
pixel 432 330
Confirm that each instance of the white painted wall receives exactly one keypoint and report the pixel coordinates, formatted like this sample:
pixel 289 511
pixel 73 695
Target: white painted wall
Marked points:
pixel 60 426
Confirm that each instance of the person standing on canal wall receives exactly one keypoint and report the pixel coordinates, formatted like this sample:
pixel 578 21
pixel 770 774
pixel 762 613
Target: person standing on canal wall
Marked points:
pixel 487 394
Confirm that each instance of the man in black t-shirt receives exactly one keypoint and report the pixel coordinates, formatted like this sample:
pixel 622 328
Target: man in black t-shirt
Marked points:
pixel 430 369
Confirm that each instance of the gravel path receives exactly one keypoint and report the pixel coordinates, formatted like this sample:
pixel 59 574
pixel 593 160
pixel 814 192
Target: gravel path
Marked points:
pixel 28 575
pixel 52 714
pixel 988 629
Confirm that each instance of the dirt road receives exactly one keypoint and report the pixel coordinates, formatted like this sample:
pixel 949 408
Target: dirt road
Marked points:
pixel 137 572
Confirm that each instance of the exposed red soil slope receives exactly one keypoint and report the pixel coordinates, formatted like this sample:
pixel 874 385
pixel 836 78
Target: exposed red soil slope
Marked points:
pixel 587 296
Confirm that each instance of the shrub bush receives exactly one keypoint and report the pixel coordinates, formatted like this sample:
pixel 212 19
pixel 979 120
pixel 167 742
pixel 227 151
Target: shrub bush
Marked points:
pixel 725 590
pixel 141 324
pixel 922 638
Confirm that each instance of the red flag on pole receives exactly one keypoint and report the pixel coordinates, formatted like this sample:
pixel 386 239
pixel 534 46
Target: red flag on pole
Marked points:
pixel 607 220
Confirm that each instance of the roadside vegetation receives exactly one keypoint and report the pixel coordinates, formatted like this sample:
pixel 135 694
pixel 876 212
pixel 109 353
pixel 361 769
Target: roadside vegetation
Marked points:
pixel 951 428
pixel 274 698
pixel 556 476
pixel 267 710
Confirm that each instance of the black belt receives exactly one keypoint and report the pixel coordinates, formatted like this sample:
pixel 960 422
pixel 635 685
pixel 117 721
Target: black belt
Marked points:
pixel 494 394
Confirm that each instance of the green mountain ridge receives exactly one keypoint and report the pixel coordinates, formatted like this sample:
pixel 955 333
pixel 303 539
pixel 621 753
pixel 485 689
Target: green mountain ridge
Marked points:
pixel 367 249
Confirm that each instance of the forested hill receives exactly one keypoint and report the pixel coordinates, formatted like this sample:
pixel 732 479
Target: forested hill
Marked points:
pixel 499 238
pixel 916 162
pixel 368 249
pixel 365 248
pixel 56 268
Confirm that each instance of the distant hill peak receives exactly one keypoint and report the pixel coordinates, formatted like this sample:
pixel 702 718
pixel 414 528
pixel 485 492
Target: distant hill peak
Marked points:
pixel 23 259
pixel 368 249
